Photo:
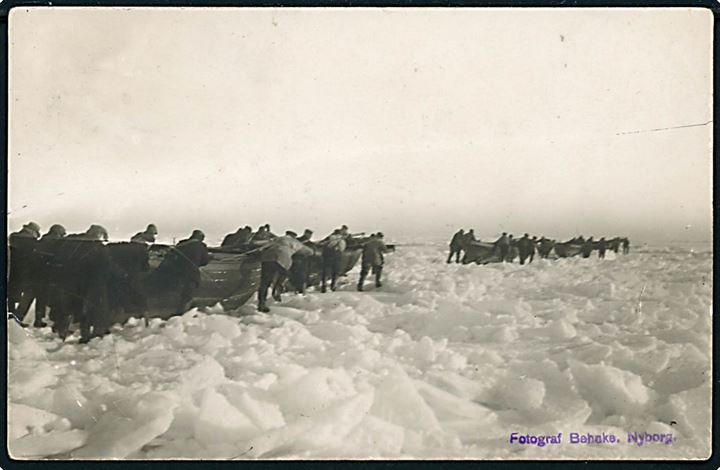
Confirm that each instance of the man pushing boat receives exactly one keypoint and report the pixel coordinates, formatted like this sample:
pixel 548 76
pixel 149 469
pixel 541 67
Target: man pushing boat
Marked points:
pixel 276 261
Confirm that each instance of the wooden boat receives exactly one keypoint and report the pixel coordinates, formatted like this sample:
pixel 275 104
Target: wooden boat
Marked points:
pixel 480 253
pixel 232 277
pixel 568 249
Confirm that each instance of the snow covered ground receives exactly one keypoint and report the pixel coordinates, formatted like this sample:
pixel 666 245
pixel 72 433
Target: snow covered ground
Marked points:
pixel 444 361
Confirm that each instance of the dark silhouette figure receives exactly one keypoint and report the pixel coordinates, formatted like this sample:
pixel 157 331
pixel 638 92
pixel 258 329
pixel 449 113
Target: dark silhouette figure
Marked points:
pixel 525 247
pixel 502 245
pixel 602 247
pixel 456 246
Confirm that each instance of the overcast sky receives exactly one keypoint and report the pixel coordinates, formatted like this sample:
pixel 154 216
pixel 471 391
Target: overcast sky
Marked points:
pixel 412 121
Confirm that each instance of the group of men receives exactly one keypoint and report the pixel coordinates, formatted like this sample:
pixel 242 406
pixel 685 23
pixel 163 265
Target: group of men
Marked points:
pixel 288 257
pixel 81 277
pixel 245 235
pixel 507 248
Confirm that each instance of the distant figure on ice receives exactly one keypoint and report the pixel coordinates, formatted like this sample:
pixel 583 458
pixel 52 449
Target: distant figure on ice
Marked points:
pixel 469 237
pixel 372 260
pixel 535 242
pixel 21 254
pixel 587 247
pixel 545 246
pixel 602 247
pixel 615 244
pixel 502 245
pixel 241 237
pixel 512 251
pixel 526 248
pixel 625 245
pixel 456 246
pixel 148 236
pixel 276 260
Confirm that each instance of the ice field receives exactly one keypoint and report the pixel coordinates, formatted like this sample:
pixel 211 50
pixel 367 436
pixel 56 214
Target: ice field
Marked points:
pixel 444 361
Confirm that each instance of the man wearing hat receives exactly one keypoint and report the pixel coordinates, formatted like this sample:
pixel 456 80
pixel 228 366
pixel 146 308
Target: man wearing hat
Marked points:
pixel 299 271
pixel 148 236
pixel 502 246
pixel 93 233
pixel 526 247
pixel 372 259
pixel 21 253
pixel 47 247
pixel 306 236
pixel 196 235
pixel 276 258
pixel 333 249
pixel 241 237
pixel 188 256
pixel 37 288
pixel 262 234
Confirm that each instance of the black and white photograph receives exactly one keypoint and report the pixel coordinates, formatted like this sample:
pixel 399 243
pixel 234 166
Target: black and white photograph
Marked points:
pixel 359 233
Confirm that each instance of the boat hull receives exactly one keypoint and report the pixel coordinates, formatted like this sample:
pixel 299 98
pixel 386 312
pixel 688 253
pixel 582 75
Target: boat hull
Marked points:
pixel 480 253
pixel 567 250
pixel 231 278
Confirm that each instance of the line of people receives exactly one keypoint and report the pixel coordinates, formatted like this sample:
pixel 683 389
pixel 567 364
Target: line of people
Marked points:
pixel 289 257
pixel 82 277
pixel 507 248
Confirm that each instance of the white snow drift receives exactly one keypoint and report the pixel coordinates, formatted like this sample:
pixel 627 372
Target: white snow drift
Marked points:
pixel 443 361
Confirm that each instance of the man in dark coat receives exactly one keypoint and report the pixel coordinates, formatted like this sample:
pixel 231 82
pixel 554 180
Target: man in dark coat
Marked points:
pixel 587 247
pixel 83 273
pixel 93 233
pixel 21 267
pixel 262 234
pixel 602 247
pixel 332 251
pixel 301 264
pixel 241 237
pixel 372 259
pixel 148 236
pixel 625 242
pixel 456 246
pixel 186 259
pixel 469 237
pixel 545 246
pixel 41 286
pixel 513 251
pixel 526 247
pixel 535 242
pixel 128 295
pixel 502 245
